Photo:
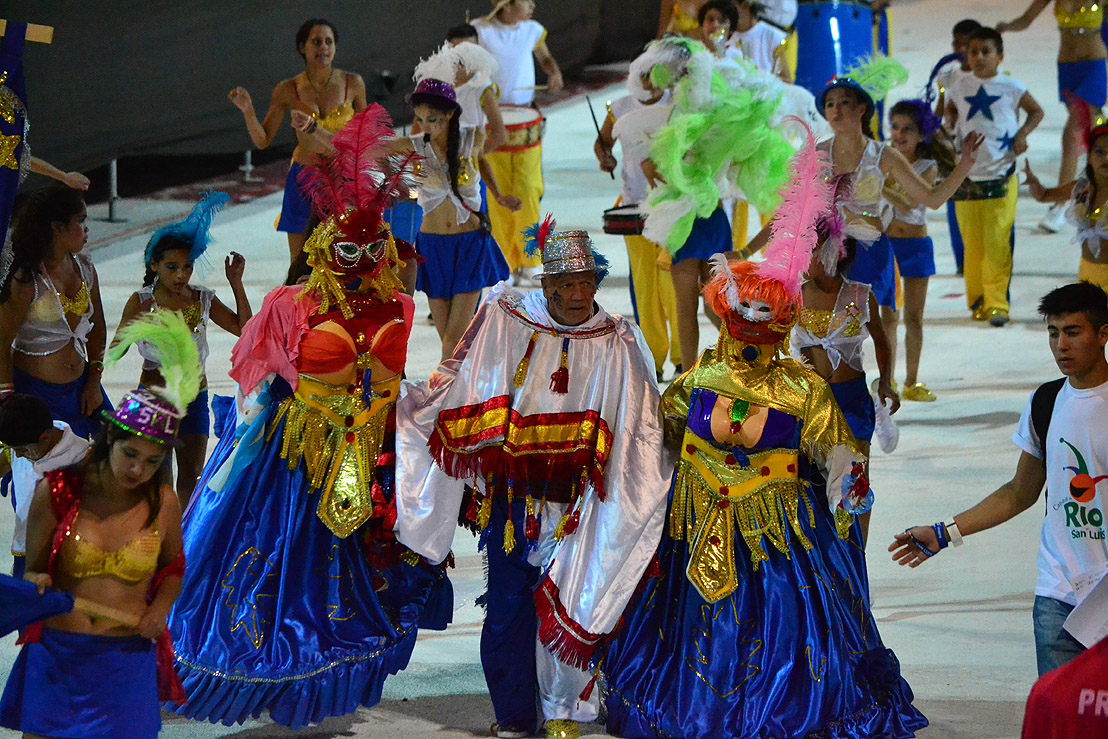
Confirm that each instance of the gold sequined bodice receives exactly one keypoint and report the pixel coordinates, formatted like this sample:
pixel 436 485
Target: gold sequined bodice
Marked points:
pixel 132 563
pixel 77 305
pixel 1086 19
pixel 337 119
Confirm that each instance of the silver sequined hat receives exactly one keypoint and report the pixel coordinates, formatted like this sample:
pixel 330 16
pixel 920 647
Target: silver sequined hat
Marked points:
pixel 567 251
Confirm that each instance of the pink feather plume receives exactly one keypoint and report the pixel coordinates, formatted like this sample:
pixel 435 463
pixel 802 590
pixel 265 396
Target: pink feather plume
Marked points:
pixel 804 201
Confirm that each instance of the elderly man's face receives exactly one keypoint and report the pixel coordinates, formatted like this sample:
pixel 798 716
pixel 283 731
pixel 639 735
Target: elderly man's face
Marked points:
pixel 570 297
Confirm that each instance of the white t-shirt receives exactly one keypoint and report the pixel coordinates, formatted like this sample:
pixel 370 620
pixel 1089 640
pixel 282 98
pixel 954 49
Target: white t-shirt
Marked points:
pixel 513 46
pixel 989 107
pixel 469 100
pixel 758 44
pixel 634 129
pixel 950 73
pixel 1072 541
pixel 781 12
pixel 69 450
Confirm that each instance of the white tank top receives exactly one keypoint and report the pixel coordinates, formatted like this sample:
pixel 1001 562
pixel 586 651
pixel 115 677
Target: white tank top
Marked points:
pixel 433 177
pixel 840 332
pixel 196 316
pixel 904 209
pixel 45 330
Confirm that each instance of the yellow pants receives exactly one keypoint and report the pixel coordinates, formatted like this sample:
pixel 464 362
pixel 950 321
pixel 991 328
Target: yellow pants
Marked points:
pixel 654 300
pixel 986 226
pixel 517 173
pixel 740 220
pixel 1090 272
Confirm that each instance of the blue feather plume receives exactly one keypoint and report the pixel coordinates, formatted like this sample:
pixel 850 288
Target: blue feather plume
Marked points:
pixel 195 228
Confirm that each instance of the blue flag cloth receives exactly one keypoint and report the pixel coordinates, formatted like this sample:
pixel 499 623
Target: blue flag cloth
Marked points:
pixel 21 605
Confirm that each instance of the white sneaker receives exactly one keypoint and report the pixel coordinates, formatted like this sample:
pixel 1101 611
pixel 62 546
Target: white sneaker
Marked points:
pixel 886 431
pixel 1055 219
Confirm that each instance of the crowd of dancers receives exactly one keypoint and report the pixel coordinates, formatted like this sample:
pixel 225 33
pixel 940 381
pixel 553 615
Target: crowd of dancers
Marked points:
pixel 693 559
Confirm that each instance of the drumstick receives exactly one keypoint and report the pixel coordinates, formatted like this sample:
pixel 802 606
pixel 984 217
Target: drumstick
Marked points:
pixel 99 610
pixel 535 88
pixel 598 136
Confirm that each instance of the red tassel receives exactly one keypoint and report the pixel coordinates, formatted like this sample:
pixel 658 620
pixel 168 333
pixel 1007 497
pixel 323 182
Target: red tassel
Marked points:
pixel 573 522
pixel 587 692
pixel 531 528
pixel 559 381
pixel 654 569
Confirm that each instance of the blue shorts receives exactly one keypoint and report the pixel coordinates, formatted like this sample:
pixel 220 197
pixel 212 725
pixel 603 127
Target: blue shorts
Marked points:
pixel 83 685
pixel 1087 80
pixel 198 419
pixel 296 211
pixel 873 265
pixel 709 236
pixel 64 401
pixel 914 257
pixel 857 406
pixel 458 263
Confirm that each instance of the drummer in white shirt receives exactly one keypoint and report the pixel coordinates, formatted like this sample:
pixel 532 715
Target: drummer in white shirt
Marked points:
pixel 517 41
pixel 632 121
pixel 760 42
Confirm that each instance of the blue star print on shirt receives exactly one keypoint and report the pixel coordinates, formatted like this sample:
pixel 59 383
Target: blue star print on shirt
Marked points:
pixel 1005 141
pixel 981 102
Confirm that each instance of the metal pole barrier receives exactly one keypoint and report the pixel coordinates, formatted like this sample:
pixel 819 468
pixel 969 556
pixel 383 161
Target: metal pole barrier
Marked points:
pixel 113 192
pixel 247 167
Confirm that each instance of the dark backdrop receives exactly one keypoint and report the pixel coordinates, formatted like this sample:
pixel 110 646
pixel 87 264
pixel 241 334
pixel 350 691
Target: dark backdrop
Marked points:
pixel 141 77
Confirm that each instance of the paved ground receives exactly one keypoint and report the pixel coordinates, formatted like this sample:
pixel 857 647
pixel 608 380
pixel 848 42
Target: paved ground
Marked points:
pixel 961 625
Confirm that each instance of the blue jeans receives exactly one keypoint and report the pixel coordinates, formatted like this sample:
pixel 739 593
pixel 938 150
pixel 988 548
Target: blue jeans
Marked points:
pixel 1054 646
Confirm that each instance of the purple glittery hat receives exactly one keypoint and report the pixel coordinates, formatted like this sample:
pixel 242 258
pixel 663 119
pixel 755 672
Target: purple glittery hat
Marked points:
pixel 147 415
pixel 436 89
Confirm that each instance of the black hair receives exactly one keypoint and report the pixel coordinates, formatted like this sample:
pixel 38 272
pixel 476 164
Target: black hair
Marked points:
pixel 850 251
pixel 965 27
pixel 461 32
pixel 726 8
pixel 1077 297
pixel 32 231
pixel 305 31
pixel 23 419
pixel 298 269
pixel 911 109
pixel 109 435
pixel 453 134
pixel 1088 196
pixel 989 34
pixel 167 243
pixel 860 98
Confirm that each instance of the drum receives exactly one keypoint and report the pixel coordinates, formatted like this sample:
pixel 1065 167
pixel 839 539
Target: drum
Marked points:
pixel 525 127
pixel 832 36
pixel 626 220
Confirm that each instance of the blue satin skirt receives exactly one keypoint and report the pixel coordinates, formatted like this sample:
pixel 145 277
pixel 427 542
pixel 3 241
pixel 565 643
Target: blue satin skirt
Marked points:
pixel 793 652
pixel 277 614
pixel 83 686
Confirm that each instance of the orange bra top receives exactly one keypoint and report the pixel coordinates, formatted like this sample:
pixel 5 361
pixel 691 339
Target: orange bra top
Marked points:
pixel 323 352
pixel 132 563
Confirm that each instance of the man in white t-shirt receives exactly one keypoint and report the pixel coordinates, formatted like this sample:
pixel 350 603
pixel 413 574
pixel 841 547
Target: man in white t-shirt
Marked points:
pixel 35 444
pixel 1064 444
pixel 517 42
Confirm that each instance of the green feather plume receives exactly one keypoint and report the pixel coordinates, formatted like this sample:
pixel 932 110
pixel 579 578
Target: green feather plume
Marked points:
pixel 877 75
pixel 173 346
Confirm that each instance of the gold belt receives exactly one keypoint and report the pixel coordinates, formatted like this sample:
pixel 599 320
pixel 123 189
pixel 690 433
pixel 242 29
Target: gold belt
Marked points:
pixel 339 438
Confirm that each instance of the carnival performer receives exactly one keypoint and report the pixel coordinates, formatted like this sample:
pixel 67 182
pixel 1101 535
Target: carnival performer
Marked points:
pixel 761 42
pixel 320 87
pixel 1082 78
pixel 632 120
pixel 830 334
pixel 1086 198
pixel 548 408
pixel 169 258
pixel 469 69
pixel 680 17
pixel 848 104
pixel 52 331
pixel 108 530
pixel 757 622
pixel 460 255
pixel 692 169
pixel 912 127
pixel 516 40
pixel 298 600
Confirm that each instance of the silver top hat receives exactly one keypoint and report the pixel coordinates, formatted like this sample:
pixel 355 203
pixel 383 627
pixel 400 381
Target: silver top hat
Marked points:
pixel 567 251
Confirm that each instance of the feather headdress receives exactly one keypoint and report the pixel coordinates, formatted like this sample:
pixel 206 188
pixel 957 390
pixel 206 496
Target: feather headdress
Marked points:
pixel 873 76
pixel 537 234
pixel 359 177
pixel 444 64
pixel 172 342
pixel 804 202
pixel 195 229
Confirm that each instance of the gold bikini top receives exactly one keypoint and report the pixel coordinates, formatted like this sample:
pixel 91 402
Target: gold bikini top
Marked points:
pixel 1086 19
pixel 78 304
pixel 337 118
pixel 132 563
